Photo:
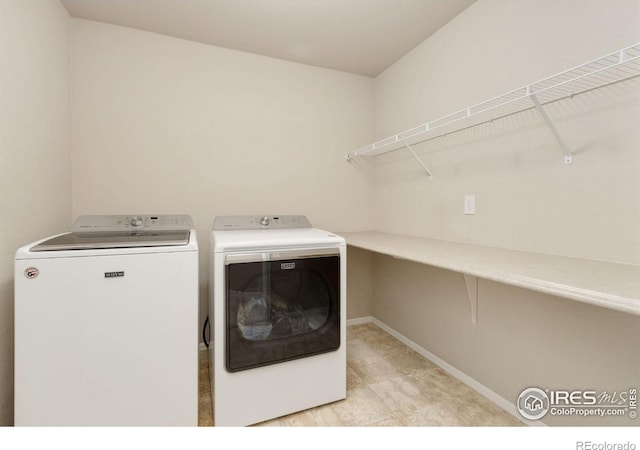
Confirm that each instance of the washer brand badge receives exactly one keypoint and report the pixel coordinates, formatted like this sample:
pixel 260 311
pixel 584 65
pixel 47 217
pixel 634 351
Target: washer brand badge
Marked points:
pixel 31 272
pixel 288 266
pixel 113 274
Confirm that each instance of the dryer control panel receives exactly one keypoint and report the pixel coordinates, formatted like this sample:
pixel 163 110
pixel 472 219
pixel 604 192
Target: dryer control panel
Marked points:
pixel 260 222
pixel 90 224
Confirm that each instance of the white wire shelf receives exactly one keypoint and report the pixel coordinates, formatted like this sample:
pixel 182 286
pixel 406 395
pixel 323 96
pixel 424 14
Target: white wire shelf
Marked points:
pixel 612 68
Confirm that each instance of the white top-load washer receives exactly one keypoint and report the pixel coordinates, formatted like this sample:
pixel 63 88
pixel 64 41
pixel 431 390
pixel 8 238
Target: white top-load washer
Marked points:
pixel 278 301
pixel 106 324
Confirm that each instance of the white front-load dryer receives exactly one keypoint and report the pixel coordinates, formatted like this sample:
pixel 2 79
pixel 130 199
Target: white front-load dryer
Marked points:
pixel 106 324
pixel 278 301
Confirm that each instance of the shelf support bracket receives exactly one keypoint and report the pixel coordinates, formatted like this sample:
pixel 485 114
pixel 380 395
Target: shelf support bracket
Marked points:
pixel 471 282
pixel 568 157
pixel 429 174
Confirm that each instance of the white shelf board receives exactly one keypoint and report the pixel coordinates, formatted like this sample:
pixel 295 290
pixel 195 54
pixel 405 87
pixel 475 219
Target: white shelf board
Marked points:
pixel 612 68
pixel 608 285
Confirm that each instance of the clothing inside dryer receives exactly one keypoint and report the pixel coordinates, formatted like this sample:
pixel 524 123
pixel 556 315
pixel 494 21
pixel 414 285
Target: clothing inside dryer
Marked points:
pixel 282 304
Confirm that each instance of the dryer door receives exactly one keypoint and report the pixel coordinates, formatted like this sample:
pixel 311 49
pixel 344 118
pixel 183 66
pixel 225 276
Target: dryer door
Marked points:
pixel 281 306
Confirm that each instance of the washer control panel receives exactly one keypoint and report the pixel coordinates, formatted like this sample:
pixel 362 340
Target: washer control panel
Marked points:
pixel 90 224
pixel 260 222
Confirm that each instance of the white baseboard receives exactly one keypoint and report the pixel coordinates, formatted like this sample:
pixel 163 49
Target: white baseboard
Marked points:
pixel 359 320
pixel 466 379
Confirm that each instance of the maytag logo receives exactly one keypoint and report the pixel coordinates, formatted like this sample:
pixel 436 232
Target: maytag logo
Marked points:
pixel 31 272
pixel 287 266
pixel 113 274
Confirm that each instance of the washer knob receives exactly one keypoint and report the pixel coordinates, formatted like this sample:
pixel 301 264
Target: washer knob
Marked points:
pixel 136 221
pixel 264 221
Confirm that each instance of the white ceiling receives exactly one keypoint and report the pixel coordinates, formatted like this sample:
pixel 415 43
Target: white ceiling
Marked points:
pixel 359 36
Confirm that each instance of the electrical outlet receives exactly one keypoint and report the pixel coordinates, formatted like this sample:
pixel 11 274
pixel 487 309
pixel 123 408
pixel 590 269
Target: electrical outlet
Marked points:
pixel 469 204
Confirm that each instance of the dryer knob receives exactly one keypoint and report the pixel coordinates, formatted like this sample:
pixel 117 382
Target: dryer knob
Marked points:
pixel 136 221
pixel 264 221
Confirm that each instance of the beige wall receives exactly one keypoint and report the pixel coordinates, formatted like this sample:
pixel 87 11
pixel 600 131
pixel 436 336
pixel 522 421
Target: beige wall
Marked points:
pixel 35 178
pixel 526 197
pixel 163 125
pixel 359 283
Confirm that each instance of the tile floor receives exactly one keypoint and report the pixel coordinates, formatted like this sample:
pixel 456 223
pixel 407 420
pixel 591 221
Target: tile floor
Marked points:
pixel 388 384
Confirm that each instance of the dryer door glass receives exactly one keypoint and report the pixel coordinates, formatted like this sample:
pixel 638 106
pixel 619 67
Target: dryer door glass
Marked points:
pixel 282 309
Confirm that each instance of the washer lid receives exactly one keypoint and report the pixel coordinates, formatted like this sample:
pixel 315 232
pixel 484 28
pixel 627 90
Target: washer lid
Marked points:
pixel 106 240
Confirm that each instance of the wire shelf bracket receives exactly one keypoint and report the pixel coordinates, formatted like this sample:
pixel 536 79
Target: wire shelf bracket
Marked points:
pixel 415 155
pixel 568 157
pixel 615 67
